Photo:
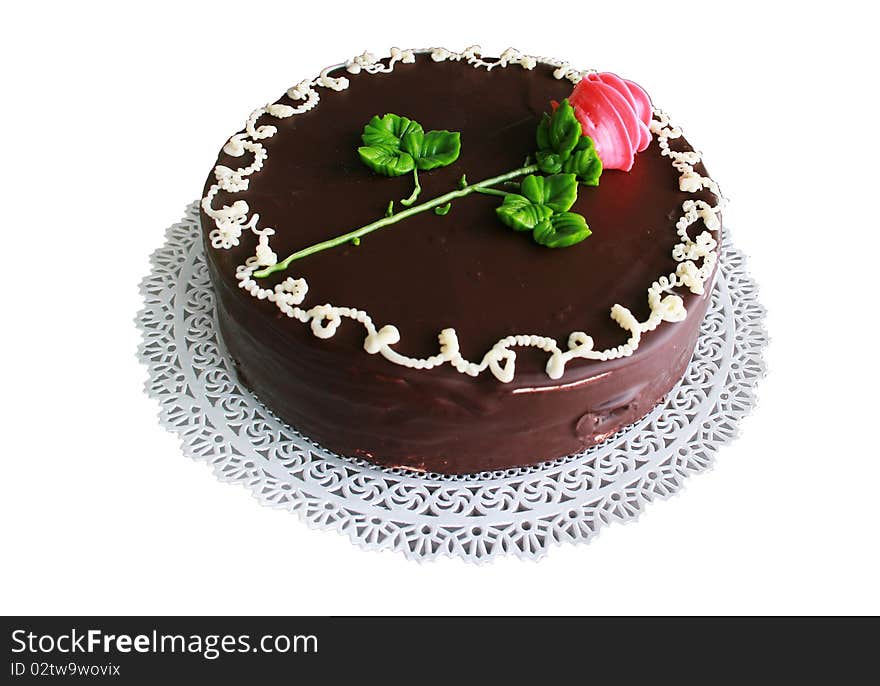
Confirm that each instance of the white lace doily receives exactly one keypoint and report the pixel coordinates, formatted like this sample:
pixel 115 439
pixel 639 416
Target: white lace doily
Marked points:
pixel 520 512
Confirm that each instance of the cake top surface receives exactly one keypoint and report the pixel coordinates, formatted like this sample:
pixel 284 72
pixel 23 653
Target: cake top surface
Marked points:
pixel 458 288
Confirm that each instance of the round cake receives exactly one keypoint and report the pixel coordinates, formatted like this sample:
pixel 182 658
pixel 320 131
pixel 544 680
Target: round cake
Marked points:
pixel 452 263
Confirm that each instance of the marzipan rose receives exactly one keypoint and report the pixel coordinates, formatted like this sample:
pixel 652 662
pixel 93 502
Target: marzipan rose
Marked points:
pixel 616 114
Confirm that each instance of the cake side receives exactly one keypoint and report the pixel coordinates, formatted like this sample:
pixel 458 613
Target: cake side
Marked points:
pixel 437 421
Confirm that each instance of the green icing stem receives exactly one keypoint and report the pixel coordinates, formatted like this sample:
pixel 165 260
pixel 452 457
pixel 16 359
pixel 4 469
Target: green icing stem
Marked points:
pixel 478 187
pixel 416 190
pixel 493 191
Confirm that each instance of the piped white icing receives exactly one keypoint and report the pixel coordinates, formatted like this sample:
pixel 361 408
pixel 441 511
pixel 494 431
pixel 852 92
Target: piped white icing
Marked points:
pixel 232 220
pixel 373 65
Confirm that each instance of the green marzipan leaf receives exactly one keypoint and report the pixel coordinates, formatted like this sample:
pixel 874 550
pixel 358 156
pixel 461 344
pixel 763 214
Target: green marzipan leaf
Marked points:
pixel 584 162
pixel 561 230
pixel 565 130
pixel 558 192
pixel 585 143
pixel 412 142
pixel 542 135
pixel 520 214
pixel 386 160
pixel 436 148
pixel 532 187
pixel 549 162
pixel 389 130
pixel 395 145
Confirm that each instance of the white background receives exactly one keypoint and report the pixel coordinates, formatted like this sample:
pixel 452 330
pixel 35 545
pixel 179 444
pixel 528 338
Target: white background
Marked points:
pixel 112 118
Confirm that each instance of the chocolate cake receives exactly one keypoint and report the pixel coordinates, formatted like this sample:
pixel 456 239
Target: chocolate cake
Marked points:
pixel 474 285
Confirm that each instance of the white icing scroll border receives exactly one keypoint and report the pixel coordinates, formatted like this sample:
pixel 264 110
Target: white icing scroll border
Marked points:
pixel 665 305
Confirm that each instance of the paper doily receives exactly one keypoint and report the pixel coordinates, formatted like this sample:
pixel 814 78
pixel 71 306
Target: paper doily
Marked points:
pixel 521 512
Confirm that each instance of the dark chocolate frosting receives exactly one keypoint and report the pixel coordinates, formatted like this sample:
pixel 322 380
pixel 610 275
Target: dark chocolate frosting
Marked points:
pixel 464 270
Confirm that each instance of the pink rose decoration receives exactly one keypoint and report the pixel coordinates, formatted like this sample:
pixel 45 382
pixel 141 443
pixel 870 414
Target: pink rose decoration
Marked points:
pixel 616 114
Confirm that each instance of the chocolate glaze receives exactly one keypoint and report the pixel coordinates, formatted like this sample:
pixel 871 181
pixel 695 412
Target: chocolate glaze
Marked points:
pixel 464 270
